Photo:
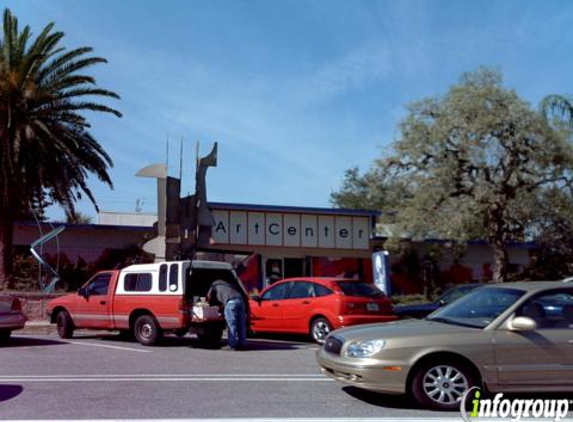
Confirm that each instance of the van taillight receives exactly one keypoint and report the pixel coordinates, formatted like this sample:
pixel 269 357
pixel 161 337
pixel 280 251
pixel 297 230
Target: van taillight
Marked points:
pixel 16 305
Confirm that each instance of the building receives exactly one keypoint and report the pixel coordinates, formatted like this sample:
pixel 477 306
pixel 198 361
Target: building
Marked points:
pixel 274 242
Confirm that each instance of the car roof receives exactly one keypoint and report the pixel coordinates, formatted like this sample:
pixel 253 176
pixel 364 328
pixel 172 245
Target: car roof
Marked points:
pixel 530 286
pixel 323 279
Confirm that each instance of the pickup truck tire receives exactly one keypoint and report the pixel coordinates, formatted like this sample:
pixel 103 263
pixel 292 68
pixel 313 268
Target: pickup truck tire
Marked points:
pixel 64 324
pixel 146 330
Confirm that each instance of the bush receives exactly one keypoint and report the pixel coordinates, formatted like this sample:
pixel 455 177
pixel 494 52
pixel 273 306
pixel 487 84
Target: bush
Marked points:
pixel 408 299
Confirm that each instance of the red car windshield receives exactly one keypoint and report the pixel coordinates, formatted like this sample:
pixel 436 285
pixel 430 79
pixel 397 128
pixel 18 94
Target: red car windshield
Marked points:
pixel 359 289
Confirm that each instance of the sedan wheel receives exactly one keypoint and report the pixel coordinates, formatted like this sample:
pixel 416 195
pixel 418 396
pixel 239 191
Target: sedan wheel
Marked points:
pixel 319 329
pixel 441 386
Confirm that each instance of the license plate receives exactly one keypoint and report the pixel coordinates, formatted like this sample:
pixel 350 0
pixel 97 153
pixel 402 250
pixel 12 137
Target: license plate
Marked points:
pixel 372 307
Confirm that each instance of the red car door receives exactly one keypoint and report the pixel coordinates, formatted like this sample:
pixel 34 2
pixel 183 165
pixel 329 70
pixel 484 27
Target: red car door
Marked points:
pixel 299 307
pixel 93 308
pixel 267 312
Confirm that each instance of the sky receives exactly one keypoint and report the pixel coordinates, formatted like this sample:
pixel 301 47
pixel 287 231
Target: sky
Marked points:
pixel 295 92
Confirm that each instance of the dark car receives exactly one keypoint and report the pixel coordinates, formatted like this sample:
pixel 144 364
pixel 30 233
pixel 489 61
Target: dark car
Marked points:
pixel 421 310
pixel 11 316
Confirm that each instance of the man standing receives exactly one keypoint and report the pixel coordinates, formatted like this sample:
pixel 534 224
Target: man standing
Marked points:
pixel 235 311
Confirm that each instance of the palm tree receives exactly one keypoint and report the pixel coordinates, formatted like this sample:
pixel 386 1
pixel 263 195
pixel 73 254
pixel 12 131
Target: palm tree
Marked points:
pixel 46 150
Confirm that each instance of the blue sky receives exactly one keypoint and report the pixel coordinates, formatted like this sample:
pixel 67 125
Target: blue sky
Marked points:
pixel 295 92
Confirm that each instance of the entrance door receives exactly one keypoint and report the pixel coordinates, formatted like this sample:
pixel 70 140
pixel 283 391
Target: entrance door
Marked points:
pixel 294 267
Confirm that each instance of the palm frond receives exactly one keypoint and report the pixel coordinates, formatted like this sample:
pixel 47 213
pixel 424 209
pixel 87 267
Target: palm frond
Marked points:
pixel 45 146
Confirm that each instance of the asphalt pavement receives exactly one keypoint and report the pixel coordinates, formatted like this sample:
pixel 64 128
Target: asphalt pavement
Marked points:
pixel 101 376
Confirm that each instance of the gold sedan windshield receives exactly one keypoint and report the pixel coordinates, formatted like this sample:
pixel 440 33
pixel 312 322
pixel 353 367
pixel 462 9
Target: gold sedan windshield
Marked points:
pixel 478 308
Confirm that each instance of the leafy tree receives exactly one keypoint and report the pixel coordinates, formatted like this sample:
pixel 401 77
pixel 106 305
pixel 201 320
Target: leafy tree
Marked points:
pixel 78 218
pixel 46 150
pixel 558 108
pixel 472 165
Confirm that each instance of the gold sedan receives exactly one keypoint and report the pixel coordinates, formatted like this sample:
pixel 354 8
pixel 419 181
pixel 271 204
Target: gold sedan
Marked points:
pixel 513 337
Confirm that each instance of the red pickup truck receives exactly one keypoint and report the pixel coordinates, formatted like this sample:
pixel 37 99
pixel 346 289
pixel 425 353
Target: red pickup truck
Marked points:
pixel 147 300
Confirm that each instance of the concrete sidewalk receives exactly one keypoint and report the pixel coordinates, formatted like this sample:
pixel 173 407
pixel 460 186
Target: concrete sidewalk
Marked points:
pixel 37 327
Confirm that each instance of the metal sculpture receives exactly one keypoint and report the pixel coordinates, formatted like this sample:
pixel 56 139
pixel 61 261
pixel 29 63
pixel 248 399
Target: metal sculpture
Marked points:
pixel 183 224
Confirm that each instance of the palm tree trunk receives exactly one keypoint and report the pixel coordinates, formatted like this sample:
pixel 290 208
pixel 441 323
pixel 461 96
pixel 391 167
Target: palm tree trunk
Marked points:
pixel 6 240
pixel 500 260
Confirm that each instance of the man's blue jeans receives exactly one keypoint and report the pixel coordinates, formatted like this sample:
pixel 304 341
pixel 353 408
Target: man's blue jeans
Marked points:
pixel 236 317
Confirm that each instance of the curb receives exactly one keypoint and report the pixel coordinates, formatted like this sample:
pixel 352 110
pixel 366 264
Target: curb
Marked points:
pixel 37 327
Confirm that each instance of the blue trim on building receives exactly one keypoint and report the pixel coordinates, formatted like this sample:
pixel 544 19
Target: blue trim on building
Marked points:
pixel 302 210
pixel 48 225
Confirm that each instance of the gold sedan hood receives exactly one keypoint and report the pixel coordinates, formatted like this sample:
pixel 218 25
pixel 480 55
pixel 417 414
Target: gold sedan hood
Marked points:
pixel 401 329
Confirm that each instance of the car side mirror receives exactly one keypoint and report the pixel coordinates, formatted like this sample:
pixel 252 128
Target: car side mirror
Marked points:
pixel 83 292
pixel 442 302
pixel 522 323
pixel 256 298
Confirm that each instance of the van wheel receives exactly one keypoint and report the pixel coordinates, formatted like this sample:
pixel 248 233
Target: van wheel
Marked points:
pixel 65 325
pixel 441 386
pixel 319 329
pixel 146 330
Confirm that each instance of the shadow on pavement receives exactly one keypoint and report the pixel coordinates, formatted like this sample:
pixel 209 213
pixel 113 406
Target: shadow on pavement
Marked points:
pixel 8 392
pixel 380 399
pixel 16 341
pixel 269 343
pixel 269 346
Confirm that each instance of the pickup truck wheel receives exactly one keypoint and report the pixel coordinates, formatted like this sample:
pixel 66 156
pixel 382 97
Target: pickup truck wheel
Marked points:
pixel 65 325
pixel 146 330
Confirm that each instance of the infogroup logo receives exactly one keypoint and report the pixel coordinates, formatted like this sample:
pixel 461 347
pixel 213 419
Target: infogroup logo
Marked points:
pixel 514 410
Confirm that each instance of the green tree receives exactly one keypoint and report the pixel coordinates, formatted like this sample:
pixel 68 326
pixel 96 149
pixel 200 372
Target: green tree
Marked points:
pixel 558 109
pixel 46 150
pixel 78 218
pixel 472 165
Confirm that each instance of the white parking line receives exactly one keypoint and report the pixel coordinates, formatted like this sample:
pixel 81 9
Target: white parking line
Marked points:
pixel 130 349
pixel 165 378
pixel 367 419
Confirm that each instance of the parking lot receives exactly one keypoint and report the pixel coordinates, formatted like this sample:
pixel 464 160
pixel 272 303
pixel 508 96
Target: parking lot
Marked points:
pixel 104 377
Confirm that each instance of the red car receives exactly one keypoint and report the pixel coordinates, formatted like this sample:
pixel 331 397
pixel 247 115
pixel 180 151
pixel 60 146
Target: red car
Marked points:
pixel 317 305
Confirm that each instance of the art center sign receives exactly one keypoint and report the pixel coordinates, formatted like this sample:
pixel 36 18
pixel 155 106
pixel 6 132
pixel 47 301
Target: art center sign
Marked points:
pixel 290 229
